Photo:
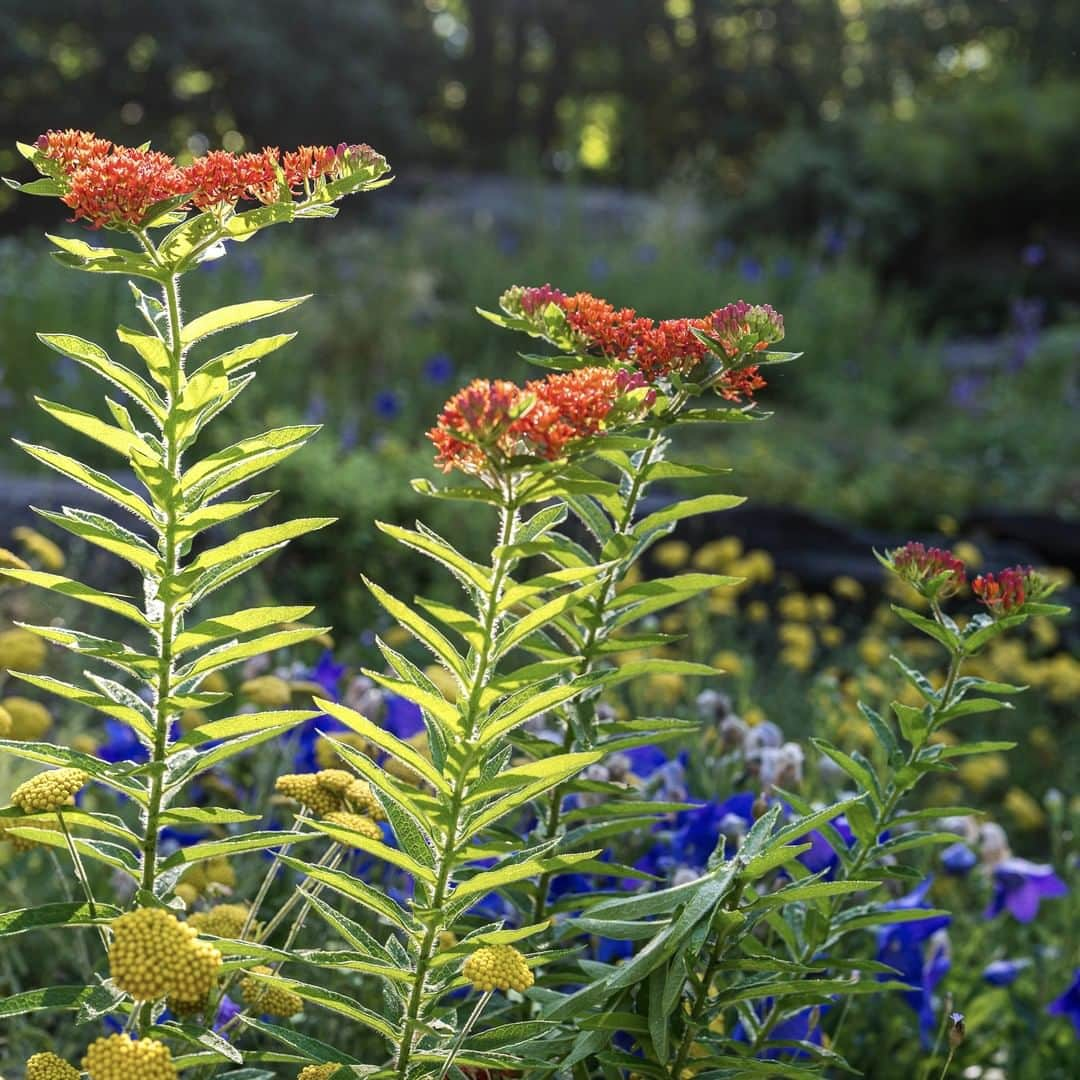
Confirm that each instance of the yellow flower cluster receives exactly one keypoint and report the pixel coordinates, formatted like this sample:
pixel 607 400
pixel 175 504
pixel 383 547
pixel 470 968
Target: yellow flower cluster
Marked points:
pixel 50 1067
pixel 319 1072
pixel 120 1057
pixel 154 955
pixel 39 547
pixel 221 920
pixel 21 843
pixel 6 723
pixel 20 650
pixel 29 719
pixel 204 877
pixel 498 967
pixel 269 691
pixel 50 790
pixel 267 1000
pixel 10 561
pixel 359 823
pixel 330 791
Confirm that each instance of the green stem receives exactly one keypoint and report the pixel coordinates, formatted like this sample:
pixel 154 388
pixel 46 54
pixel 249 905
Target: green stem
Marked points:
pixel 445 859
pixel 161 610
pixel 597 634
pixel 80 873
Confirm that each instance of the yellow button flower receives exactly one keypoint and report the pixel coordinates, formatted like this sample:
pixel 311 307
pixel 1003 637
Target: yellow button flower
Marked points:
pixel 40 548
pixel 154 955
pixel 360 796
pixel 52 790
pixel 319 1072
pixel 221 920
pixel 357 822
pixel 20 650
pixel 306 790
pixel 50 1067
pixel 498 967
pixel 265 999
pixel 29 719
pixel 6 723
pixel 120 1057
pixel 672 554
pixel 10 561
pixel 270 691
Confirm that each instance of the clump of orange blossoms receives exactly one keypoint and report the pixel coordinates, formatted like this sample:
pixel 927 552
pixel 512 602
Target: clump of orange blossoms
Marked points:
pixel 488 422
pixel 116 190
pixel 72 149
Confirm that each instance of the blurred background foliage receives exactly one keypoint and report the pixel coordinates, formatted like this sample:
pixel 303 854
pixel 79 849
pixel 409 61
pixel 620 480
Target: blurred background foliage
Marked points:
pixel 897 176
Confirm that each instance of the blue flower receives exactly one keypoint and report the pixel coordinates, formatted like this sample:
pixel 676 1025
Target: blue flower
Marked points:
pixel 1004 972
pixel 803 1026
pixel 439 368
pixel 1069 1003
pixel 227 1009
pixel 958 859
pixel 1020 886
pixel 327 673
pixel 121 744
pixel 599 268
pixel 750 268
pixel 403 717
pixel 902 946
pixel 387 404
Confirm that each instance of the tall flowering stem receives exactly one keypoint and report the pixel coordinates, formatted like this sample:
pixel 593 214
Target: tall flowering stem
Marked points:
pixel 671 364
pixel 170 219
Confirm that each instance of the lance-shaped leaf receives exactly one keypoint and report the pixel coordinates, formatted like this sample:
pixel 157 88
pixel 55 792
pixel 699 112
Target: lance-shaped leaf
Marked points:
pixel 107 535
pixel 421 629
pixel 52 916
pixel 225 318
pixel 386 741
pixel 125 443
pixel 351 838
pixel 239 622
pixel 429 700
pixel 524 705
pixel 489 880
pixel 465 570
pixel 97 359
pixel 704 504
pixel 196 521
pixel 104 772
pixel 357 890
pixel 56 997
pixel 90 478
pixel 133 717
pixel 233 845
pixel 312 1049
pixel 79 255
pixel 221 471
pixel 119 858
pixel 244 650
pixel 78 591
pixel 248 543
pixel 153 350
pixel 244 355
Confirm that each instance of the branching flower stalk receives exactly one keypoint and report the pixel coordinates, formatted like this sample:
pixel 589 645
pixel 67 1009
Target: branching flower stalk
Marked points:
pixel 137 193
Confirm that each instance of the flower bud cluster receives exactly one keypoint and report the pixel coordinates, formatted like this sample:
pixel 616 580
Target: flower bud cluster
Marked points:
pixel 120 1057
pixel 50 790
pixel 498 967
pixel 933 572
pixel 1007 591
pixel 21 843
pixel 50 1067
pixel 319 1072
pixel 29 719
pixel 265 999
pixel 154 955
pixel 21 650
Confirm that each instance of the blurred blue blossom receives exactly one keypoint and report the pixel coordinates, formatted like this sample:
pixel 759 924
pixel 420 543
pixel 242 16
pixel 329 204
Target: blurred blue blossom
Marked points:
pixel 1020 886
pixel 1004 972
pixel 958 859
pixel 439 368
pixel 1033 255
pixel 1069 1003
pixel 647 254
pixel 751 268
pixel 803 1026
pixel 599 267
pixel 387 404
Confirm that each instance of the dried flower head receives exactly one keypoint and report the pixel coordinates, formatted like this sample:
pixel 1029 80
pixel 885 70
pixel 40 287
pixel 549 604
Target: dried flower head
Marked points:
pixel 120 1057
pixel 116 191
pixel 72 149
pixel 498 967
pixel 52 790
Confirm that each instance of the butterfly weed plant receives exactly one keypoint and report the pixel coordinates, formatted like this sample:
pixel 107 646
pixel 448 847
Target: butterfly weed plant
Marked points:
pixel 461 877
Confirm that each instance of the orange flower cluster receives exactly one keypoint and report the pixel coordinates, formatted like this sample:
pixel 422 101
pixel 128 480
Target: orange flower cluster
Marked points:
pixel 1005 592
pixel 115 185
pixel 490 421
pixel 220 177
pixel 117 189
pixel 72 149
pixel 657 349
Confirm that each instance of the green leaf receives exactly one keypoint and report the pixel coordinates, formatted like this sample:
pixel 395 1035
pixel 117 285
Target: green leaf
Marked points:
pixel 332 1001
pixel 94 357
pixel 90 478
pixel 50 916
pixel 442 552
pixel 310 1047
pixel 197 815
pixel 125 443
pixel 107 535
pixel 704 504
pixel 353 839
pixel 966 749
pixel 489 880
pixel 244 724
pixel 232 845
pixel 224 627
pixel 421 629
pixel 225 318
pixel 154 352
pixel 357 890
pixel 78 591
pixel 244 355
pixel 55 997
pixel 429 700
pixel 860 773
pixel 103 772
pixel 244 650
pixel 255 540
pixel 932 629
pixel 815 890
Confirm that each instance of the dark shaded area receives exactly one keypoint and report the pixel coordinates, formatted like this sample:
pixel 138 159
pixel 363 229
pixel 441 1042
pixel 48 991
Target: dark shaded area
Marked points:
pixel 937 140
